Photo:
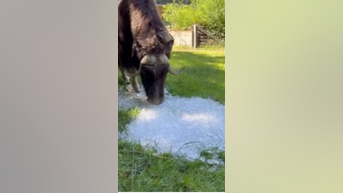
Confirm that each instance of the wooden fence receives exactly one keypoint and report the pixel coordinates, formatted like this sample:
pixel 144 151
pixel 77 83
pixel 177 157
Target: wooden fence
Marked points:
pixel 196 37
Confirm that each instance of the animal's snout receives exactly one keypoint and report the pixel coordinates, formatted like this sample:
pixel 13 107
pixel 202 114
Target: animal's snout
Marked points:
pixel 155 101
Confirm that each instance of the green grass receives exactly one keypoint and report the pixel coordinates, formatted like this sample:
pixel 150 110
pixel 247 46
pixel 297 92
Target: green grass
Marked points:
pixel 124 117
pixel 203 76
pixel 143 170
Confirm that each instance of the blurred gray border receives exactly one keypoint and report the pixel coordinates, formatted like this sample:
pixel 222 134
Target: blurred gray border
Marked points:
pixel 58 96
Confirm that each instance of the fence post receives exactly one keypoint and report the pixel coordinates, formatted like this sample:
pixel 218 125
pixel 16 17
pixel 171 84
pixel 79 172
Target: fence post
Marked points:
pixel 195 36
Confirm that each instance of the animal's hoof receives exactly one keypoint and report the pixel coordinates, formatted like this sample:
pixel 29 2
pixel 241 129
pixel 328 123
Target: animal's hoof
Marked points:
pixel 136 88
pixel 128 87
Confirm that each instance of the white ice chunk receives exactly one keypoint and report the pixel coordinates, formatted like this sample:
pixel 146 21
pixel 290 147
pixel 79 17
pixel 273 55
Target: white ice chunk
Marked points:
pixel 182 126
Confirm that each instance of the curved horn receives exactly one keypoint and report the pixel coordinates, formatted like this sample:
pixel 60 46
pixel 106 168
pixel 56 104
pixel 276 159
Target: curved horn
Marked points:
pixel 137 73
pixel 148 59
pixel 165 59
pixel 175 72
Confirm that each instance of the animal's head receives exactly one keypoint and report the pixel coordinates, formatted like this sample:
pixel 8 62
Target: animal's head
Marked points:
pixel 154 56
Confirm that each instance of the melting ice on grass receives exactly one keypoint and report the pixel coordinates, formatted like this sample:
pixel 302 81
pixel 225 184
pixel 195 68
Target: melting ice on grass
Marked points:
pixel 182 126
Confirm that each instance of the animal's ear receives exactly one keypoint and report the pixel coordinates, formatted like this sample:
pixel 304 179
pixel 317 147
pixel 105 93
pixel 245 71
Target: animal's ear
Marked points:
pixel 170 43
pixel 136 46
pixel 133 49
pixel 165 37
pixel 168 48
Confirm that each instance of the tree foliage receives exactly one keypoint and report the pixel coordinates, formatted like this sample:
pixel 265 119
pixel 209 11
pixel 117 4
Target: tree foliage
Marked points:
pixel 206 13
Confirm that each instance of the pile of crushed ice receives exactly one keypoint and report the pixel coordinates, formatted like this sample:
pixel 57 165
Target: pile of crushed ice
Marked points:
pixel 182 126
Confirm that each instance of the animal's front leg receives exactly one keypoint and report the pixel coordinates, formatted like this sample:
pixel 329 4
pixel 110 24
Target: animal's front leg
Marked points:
pixel 123 75
pixel 125 79
pixel 135 84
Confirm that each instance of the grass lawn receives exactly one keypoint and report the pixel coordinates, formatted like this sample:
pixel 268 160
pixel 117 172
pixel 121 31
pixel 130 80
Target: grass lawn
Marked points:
pixel 142 170
pixel 204 75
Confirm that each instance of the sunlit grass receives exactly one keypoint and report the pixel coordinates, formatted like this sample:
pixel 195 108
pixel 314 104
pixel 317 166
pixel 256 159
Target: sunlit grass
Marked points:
pixel 204 73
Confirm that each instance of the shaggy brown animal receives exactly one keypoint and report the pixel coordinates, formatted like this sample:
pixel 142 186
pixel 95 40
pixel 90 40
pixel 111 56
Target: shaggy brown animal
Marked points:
pixel 145 47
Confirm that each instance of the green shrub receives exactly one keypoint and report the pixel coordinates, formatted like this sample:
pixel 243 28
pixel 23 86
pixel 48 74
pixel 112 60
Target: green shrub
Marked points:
pixel 207 13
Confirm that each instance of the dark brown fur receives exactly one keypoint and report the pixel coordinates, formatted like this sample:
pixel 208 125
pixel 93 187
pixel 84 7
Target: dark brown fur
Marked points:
pixel 141 33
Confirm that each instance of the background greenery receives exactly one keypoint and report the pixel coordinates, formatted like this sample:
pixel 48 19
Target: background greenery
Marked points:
pixel 207 13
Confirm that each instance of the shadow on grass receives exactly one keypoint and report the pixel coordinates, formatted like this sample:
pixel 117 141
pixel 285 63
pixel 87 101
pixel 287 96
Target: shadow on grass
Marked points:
pixel 204 75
